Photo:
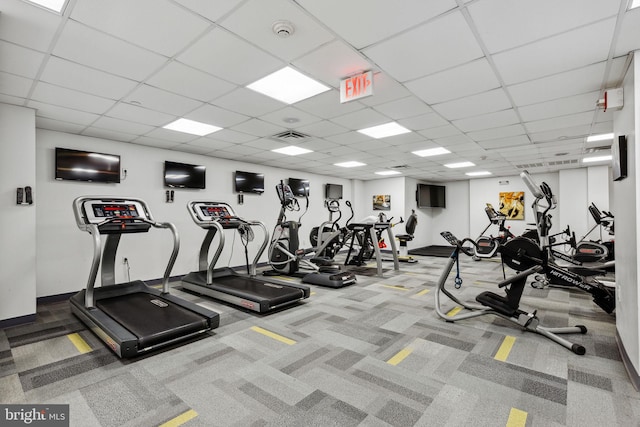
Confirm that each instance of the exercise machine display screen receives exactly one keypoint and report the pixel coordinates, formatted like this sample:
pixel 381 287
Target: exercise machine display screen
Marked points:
pixel 114 210
pixel 215 212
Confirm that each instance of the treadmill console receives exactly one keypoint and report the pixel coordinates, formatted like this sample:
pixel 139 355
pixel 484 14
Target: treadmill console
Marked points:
pixel 116 216
pixel 207 212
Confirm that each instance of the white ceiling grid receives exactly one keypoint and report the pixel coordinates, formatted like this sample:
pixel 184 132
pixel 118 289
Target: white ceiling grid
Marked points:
pixel 501 83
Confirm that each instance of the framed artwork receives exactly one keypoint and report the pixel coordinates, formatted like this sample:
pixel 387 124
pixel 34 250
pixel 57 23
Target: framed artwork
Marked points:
pixel 512 204
pixel 382 202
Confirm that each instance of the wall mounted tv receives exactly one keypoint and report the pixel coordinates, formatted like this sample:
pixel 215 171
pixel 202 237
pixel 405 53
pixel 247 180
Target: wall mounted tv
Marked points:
pixel 79 165
pixel 300 187
pixel 333 191
pixel 431 196
pixel 249 182
pixel 619 158
pixel 184 175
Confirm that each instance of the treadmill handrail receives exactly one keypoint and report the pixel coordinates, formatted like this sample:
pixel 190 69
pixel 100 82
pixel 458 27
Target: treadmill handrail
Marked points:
pixel 93 229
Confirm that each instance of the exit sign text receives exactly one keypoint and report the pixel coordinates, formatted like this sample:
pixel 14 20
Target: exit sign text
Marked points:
pixel 356 87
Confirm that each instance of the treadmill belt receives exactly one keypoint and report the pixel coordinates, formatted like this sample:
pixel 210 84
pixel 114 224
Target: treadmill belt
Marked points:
pixel 244 287
pixel 151 318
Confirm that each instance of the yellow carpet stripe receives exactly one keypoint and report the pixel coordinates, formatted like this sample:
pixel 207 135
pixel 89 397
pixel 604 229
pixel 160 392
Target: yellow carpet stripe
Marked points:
pixel 505 348
pixel 402 288
pixel 422 292
pixel 517 418
pixel 273 335
pixel 454 311
pixel 400 356
pixel 81 345
pixel 181 419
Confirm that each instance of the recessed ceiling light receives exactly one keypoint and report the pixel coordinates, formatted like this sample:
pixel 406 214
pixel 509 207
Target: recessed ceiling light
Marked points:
pixel 385 130
pixel 431 152
pixel 597 159
pixel 388 173
pixel 288 85
pixel 351 164
pixel 460 165
pixel 601 137
pixel 192 127
pixel 54 5
pixel 633 4
pixel 291 150
pixel 478 173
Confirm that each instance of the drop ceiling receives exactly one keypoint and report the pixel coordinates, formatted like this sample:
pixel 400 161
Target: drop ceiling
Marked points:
pixel 504 84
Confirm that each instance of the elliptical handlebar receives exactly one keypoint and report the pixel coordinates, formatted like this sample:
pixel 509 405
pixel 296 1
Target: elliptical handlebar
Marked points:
pixel 453 240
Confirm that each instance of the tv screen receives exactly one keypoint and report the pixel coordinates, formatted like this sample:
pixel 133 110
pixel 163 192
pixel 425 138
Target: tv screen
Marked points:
pixel 79 165
pixel 300 187
pixel 333 191
pixel 431 196
pixel 249 182
pixel 619 158
pixel 184 175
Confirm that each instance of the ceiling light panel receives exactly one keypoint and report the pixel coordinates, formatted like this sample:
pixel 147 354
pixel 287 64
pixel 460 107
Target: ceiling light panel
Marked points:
pixel 478 173
pixel 351 164
pixel 385 130
pixel 459 165
pixel 192 127
pixel 600 137
pixel 597 159
pixel 288 85
pixel 431 152
pixel 292 150
pixel 54 5
pixel 388 173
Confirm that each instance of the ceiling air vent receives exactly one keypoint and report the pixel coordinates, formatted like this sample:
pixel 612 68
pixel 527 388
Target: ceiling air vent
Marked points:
pixel 530 165
pixel 291 137
pixel 400 167
pixel 563 162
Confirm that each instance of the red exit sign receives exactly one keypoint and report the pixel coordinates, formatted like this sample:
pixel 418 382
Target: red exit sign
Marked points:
pixel 356 87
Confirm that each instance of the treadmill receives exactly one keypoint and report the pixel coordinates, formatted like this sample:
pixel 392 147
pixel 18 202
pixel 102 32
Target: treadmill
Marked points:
pixel 224 283
pixel 131 318
pixel 369 232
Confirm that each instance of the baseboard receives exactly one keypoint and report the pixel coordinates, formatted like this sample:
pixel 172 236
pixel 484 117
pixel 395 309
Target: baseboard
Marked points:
pixel 17 321
pixel 626 361
pixel 55 298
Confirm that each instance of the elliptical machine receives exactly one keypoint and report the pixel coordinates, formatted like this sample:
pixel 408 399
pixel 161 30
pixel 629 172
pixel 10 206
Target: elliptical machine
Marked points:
pixel 506 306
pixel 286 256
pixel 596 250
pixel 488 246
pixel 524 252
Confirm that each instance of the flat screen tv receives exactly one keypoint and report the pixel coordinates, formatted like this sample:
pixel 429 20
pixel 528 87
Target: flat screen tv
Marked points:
pixel 184 175
pixel 249 182
pixel 300 187
pixel 431 196
pixel 619 158
pixel 333 191
pixel 77 165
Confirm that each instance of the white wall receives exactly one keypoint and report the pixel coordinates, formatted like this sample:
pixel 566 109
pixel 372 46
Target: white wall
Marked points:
pixel 18 248
pixel 64 253
pixel 625 199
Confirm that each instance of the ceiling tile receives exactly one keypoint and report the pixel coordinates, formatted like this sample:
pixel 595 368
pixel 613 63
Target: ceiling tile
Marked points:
pixel 89 47
pixel 482 103
pixel 166 31
pixel 588 45
pixel 483 135
pixel 28 25
pixel 213 11
pixel 559 107
pixel 171 135
pixel 58 125
pixel 140 115
pixel 440 131
pixel 56 95
pixel 322 128
pixel 526 21
pixel 401 56
pixel 487 121
pixel 468 79
pixel 108 134
pixel 181 79
pixel 513 141
pixel 327 105
pixel 583 80
pixel 24 62
pixel 258 128
pixel 285 116
pixel 210 144
pixel 154 142
pixel 248 102
pixel 333 62
pixel 194 149
pixel 61 113
pixel 385 89
pixel 342 17
pixel 403 108
pixel 424 121
pixel 228 57
pixel 308 33
pixel 560 122
pixel 629 37
pixel 361 119
pixel 123 126
pixel 217 116
pixel 160 100
pixel 561 134
pixel 68 74
pixel 14 85
pixel 230 136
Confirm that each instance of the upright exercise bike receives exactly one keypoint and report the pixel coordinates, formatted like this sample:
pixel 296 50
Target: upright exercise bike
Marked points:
pixel 286 256
pixel 488 246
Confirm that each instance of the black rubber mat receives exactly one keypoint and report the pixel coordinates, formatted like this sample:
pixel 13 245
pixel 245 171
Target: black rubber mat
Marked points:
pixel 151 318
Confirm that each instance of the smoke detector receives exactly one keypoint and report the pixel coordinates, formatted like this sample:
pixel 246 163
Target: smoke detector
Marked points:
pixel 283 28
